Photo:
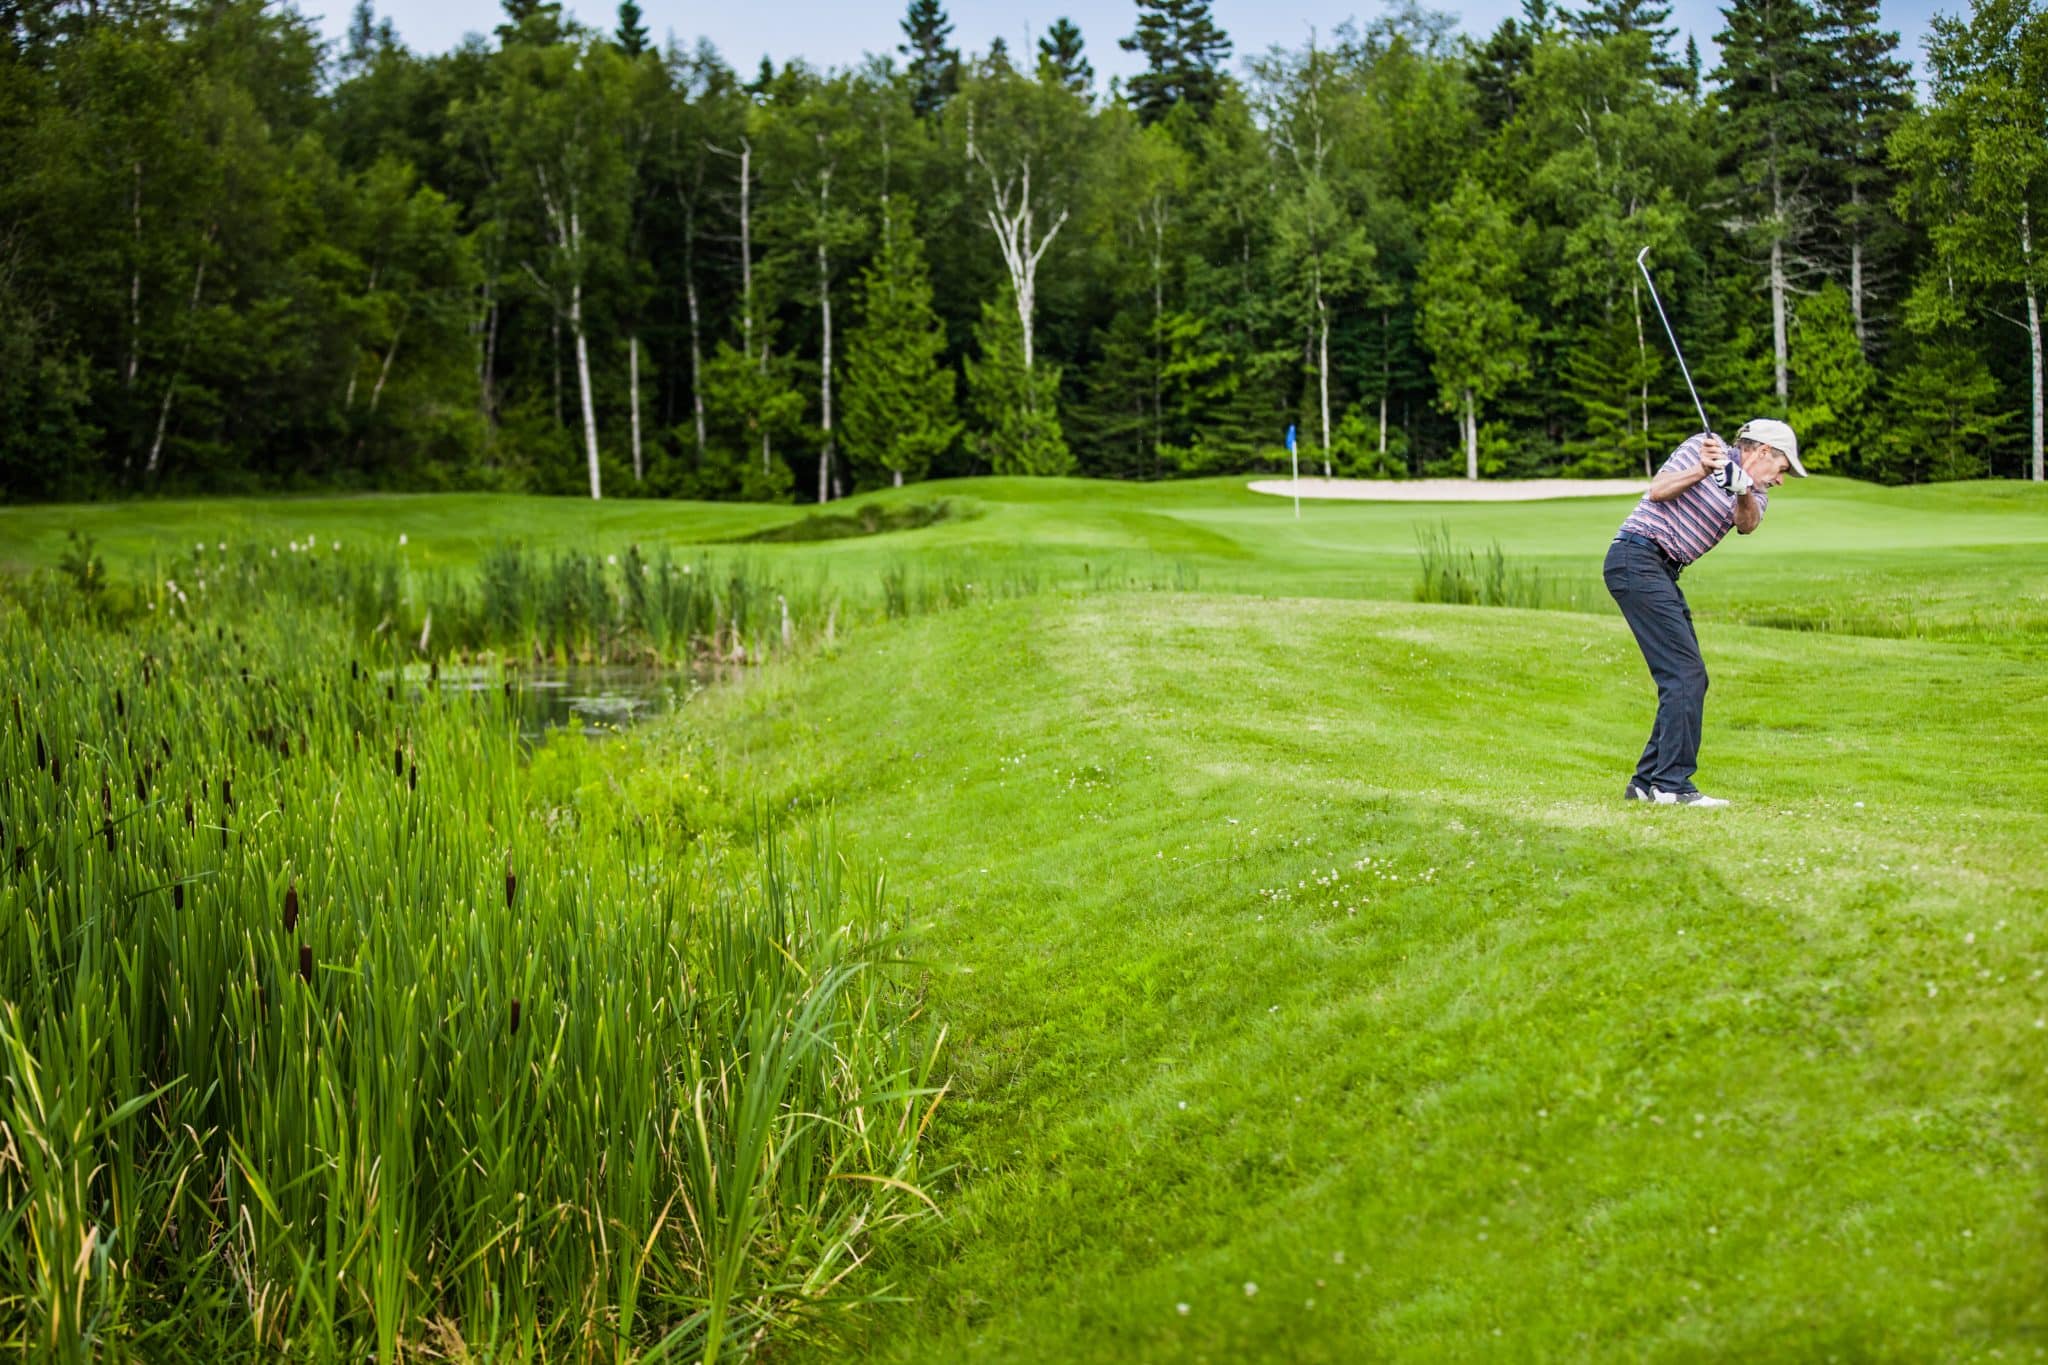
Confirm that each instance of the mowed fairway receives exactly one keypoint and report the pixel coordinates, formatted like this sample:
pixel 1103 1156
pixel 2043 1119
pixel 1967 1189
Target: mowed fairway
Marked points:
pixel 1311 993
pixel 1307 971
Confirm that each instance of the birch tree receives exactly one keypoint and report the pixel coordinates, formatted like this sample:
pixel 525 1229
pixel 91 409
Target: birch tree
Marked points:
pixel 1025 142
pixel 555 122
pixel 1974 167
pixel 1310 104
pixel 1477 334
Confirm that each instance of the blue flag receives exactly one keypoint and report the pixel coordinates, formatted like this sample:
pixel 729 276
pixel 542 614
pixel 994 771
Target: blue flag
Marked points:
pixel 1290 438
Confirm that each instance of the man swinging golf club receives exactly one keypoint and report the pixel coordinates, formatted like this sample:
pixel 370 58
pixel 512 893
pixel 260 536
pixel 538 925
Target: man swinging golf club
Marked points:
pixel 1696 498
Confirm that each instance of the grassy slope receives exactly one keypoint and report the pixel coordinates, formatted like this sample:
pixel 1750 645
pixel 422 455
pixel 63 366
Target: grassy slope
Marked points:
pixel 1758 1082
pixel 1962 559
pixel 1096 799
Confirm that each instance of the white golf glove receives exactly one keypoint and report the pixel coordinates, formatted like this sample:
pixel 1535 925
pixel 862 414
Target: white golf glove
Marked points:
pixel 1734 478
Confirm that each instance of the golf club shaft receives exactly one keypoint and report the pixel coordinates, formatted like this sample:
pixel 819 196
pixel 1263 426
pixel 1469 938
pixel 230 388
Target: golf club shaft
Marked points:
pixel 1701 407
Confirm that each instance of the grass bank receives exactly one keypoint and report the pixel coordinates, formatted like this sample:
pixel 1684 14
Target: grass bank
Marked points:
pixel 1314 996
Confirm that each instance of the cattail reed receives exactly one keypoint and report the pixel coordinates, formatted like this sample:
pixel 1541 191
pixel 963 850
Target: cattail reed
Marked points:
pixel 120 705
pixel 42 759
pixel 56 771
pixel 354 672
pixel 398 761
pixel 515 1015
pixel 511 885
pixel 177 895
pixel 291 907
pixel 227 794
pixel 412 777
pixel 107 829
pixel 188 810
pixel 305 963
pixel 142 784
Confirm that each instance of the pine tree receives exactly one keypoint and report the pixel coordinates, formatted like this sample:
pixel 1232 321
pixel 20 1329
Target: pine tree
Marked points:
pixel 1017 404
pixel 1944 418
pixel 1773 75
pixel 1060 61
pixel 1871 91
pixel 1617 18
pixel 1184 54
pixel 1831 380
pixel 1496 67
pixel 632 38
pixel 1474 329
pixel 934 68
pixel 899 413
pixel 531 21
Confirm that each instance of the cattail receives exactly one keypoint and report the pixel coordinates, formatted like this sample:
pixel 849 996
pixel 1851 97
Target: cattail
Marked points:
pixel 515 1015
pixel 142 784
pixel 188 810
pixel 177 895
pixel 227 795
pixel 354 672
pixel 284 748
pixel 305 963
pixel 291 907
pixel 107 828
pixel 42 759
pixel 56 771
pixel 391 691
pixel 412 777
pixel 511 885
pixel 398 761
pixel 433 670
pixel 120 704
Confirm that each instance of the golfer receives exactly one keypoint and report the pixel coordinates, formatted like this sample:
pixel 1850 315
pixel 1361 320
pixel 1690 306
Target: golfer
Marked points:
pixel 1695 499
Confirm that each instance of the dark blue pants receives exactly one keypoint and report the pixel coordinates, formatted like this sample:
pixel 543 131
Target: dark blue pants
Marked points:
pixel 1645 585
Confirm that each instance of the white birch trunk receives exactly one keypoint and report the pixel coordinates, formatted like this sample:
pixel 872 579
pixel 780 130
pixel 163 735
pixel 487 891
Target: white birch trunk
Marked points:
pixel 1011 218
pixel 163 413
pixel 2033 325
pixel 583 382
pixel 1323 370
pixel 633 384
pixel 1778 342
pixel 1471 436
pixel 696 364
pixel 384 370
pixel 825 450
pixel 1386 379
pixel 135 287
pixel 1856 270
pixel 747 255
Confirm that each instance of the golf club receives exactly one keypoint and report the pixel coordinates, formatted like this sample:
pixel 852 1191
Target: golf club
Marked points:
pixel 1704 424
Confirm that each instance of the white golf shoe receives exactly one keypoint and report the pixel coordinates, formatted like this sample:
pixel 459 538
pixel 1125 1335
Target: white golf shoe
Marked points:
pixel 1696 799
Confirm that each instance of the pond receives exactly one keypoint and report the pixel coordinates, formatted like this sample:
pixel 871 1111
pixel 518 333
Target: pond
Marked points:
pixel 604 699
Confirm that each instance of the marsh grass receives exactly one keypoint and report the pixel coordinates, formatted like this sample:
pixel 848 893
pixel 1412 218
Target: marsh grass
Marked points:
pixel 1458 576
pixel 329 1034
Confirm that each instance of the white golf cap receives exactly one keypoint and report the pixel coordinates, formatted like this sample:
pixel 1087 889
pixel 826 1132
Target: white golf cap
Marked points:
pixel 1771 432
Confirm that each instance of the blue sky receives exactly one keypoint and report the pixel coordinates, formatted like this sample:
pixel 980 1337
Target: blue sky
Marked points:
pixel 835 34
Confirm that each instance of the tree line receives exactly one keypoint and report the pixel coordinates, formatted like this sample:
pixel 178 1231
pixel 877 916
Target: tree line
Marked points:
pixel 563 259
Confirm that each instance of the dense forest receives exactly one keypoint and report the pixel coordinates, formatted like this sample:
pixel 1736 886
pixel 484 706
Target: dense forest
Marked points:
pixel 233 256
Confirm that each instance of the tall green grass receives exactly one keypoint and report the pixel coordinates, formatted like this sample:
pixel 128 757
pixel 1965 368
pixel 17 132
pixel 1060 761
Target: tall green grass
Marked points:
pixel 325 1033
pixel 1458 576
pixel 575 605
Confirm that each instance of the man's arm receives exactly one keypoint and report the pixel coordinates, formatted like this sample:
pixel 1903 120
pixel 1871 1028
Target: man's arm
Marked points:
pixel 1748 515
pixel 1670 482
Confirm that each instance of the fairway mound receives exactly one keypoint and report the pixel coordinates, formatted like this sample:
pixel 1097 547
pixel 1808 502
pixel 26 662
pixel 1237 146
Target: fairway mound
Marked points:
pixel 1447 490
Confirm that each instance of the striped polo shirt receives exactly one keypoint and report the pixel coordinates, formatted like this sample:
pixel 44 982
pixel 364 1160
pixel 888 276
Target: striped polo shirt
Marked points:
pixel 1693 522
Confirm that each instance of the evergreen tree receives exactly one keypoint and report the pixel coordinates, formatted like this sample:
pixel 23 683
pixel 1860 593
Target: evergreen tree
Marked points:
pixel 1494 69
pixel 1944 418
pixel 1184 55
pixel 632 35
pixel 899 392
pixel 1606 19
pixel 1060 61
pixel 1831 380
pixel 934 68
pixel 1016 403
pixel 1871 91
pixel 1773 76
pixel 531 21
